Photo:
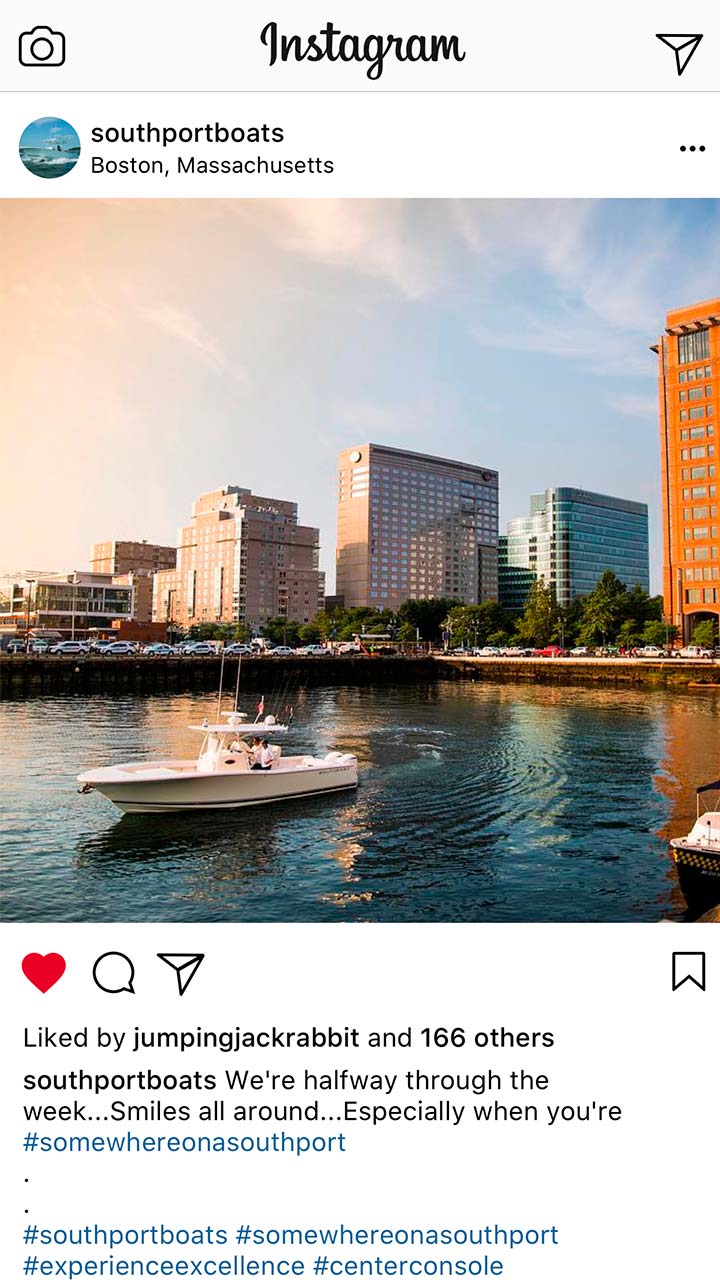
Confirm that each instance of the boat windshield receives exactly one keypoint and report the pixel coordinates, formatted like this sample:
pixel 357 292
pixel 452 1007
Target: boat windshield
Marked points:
pixel 708 798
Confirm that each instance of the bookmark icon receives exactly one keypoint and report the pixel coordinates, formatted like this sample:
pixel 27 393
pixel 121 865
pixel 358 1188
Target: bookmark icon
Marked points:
pixel 688 966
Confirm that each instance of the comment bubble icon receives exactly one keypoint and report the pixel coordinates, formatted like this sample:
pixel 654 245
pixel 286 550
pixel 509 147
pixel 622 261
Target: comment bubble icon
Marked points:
pixel 114 973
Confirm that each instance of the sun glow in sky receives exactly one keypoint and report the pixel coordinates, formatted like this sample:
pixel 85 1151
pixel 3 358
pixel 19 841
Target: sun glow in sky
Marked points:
pixel 156 349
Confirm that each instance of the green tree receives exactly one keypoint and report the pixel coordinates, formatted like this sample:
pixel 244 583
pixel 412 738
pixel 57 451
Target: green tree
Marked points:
pixel 658 633
pixel 570 621
pixel 407 632
pixel 604 610
pixel 539 622
pixel 630 633
pixel 706 633
pixel 281 631
pixel 472 624
pixel 637 606
pixel 309 633
pixel 425 616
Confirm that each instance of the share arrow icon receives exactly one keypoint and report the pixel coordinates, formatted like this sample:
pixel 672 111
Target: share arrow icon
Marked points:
pixel 185 964
pixel 683 47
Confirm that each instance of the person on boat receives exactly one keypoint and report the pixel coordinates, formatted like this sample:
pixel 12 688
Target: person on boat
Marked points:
pixel 239 745
pixel 267 757
pixel 256 753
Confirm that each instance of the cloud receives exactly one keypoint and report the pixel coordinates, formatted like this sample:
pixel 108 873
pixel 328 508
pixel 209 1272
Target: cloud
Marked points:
pixel 587 281
pixel 368 417
pixel 377 239
pixel 635 406
pixel 184 326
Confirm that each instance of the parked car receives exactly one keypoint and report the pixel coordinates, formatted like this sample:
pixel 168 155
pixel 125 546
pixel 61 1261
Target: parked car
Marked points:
pixel 239 650
pixel 349 646
pixel 281 651
pixel 693 651
pixel 512 651
pixel 580 651
pixel 120 649
pixel 203 649
pixel 16 646
pixel 551 651
pixel 650 651
pixel 68 647
pixel 314 651
pixel 487 651
pixel 99 646
pixel 158 650
pixel 38 646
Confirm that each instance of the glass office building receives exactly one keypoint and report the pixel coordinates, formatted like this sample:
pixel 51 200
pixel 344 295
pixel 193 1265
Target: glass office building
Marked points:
pixel 570 538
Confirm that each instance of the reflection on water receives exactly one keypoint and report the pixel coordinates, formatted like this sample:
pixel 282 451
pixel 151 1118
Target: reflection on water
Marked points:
pixel 477 802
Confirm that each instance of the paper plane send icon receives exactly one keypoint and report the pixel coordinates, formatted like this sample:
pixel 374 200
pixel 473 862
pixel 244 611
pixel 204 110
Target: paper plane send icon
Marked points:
pixel 683 47
pixel 185 964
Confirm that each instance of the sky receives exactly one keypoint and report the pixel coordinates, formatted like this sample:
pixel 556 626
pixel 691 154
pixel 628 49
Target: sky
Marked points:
pixel 154 350
pixel 49 129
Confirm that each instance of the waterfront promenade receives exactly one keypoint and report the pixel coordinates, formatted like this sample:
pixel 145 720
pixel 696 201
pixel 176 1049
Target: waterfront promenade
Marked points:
pixel 22 675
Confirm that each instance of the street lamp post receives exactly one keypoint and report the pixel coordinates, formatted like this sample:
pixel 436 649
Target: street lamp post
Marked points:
pixel 30 583
pixel 74 603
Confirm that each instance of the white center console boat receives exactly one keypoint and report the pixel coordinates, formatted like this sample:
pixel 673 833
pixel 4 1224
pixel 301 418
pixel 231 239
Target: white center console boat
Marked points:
pixel 227 773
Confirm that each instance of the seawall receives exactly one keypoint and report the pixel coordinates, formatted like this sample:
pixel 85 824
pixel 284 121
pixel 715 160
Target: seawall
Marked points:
pixel 22 676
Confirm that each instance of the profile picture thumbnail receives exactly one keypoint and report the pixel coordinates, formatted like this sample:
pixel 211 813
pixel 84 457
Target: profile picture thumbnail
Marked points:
pixel 49 147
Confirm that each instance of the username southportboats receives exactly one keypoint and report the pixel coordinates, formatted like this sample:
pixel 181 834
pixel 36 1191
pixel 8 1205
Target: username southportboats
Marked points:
pixel 228 773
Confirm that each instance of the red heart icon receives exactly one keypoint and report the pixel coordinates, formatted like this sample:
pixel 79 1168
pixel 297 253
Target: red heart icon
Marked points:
pixel 43 971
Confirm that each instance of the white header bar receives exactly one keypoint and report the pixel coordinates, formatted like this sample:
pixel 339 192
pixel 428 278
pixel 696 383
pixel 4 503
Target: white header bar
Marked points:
pixel 370 47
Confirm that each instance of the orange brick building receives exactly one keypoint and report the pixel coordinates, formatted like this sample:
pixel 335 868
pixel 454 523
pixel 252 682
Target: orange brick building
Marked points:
pixel 689 389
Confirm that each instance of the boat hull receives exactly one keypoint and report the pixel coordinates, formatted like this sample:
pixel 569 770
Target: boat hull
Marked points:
pixel 222 791
pixel 703 860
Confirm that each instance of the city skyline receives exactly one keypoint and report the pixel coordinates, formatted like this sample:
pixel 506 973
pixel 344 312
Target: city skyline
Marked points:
pixel 157 347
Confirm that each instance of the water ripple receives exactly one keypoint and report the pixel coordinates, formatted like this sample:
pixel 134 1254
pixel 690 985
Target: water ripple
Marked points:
pixel 476 803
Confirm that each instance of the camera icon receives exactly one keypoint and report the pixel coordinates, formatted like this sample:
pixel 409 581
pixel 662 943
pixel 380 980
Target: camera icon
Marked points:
pixel 42 47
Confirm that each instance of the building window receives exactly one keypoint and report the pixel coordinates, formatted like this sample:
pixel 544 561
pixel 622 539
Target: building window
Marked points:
pixel 693 346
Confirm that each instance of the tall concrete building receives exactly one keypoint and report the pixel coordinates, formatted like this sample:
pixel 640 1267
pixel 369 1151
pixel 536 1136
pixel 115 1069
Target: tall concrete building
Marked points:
pixel 411 526
pixel 133 564
pixel 689 386
pixel 126 557
pixel 241 558
pixel 570 538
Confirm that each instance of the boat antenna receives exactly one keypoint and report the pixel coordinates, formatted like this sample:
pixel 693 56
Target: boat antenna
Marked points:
pixel 222 665
pixel 237 682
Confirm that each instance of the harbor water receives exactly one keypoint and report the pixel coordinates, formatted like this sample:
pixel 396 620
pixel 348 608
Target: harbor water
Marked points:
pixel 477 802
